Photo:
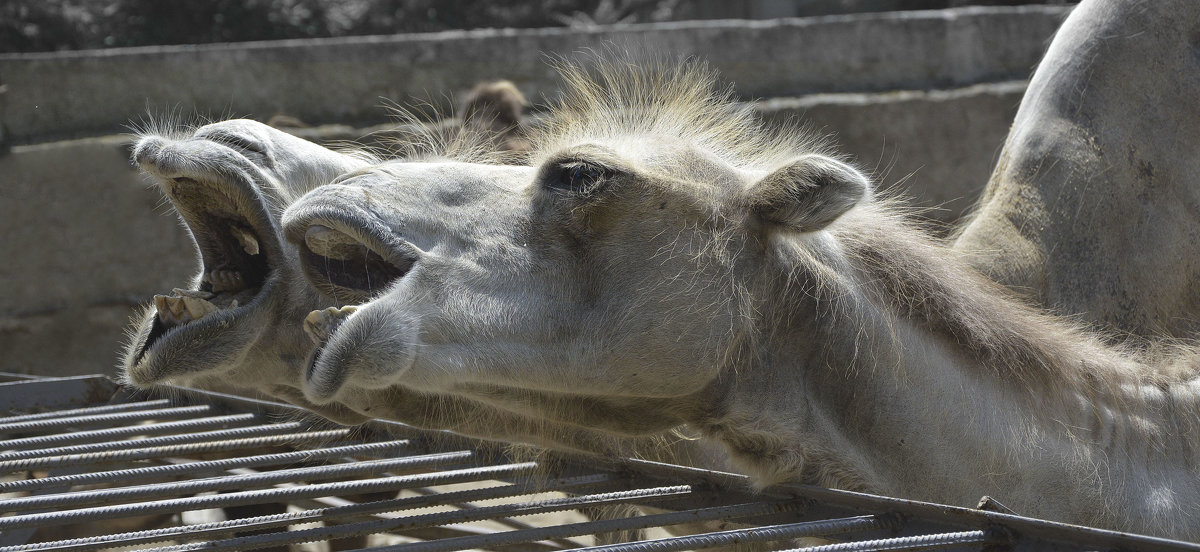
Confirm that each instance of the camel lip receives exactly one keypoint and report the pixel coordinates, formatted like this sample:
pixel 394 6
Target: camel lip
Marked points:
pixel 350 256
pixel 158 337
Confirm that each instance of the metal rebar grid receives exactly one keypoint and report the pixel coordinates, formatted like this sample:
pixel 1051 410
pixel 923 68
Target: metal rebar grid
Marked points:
pixel 142 449
pixel 78 456
pixel 205 467
pixel 360 510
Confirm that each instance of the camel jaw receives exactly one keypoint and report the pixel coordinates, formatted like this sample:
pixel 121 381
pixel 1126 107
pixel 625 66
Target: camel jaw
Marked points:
pixel 213 320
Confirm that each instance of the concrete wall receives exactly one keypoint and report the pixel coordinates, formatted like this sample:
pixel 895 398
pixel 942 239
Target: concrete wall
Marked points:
pixel 935 147
pixel 85 241
pixel 60 95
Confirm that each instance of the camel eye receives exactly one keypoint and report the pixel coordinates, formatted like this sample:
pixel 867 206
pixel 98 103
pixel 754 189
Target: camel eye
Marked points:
pixel 578 177
pixel 582 175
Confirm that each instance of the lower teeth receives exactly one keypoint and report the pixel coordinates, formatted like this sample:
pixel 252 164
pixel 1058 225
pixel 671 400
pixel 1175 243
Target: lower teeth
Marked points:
pixel 225 280
pixel 186 306
pixel 320 324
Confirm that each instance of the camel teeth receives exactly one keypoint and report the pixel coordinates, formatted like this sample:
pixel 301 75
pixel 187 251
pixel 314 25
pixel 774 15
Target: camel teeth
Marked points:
pixel 198 294
pixel 226 280
pixel 198 308
pixel 327 242
pixel 164 312
pixel 176 305
pixel 320 324
pixel 232 305
pixel 246 238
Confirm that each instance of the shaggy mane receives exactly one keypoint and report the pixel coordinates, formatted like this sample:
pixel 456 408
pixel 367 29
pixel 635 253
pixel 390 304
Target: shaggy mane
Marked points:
pixel 1042 355
pixel 619 102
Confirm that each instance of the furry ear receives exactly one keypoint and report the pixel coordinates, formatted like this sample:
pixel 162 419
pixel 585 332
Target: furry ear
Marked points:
pixel 808 193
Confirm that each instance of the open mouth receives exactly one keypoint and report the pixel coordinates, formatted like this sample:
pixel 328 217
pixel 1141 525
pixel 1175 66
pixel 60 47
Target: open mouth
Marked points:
pixel 353 260
pixel 236 259
pixel 349 268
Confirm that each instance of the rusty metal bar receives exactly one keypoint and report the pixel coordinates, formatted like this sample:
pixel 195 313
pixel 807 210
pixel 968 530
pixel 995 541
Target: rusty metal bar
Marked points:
pixel 225 528
pixel 170 445
pixel 103 409
pixel 437 518
pixel 102 419
pixel 204 467
pixel 752 509
pixel 753 534
pixel 258 480
pixel 922 542
pixel 265 495
pixel 105 435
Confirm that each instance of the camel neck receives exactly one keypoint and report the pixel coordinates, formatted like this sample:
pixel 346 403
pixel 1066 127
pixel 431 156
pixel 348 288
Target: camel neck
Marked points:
pixel 918 378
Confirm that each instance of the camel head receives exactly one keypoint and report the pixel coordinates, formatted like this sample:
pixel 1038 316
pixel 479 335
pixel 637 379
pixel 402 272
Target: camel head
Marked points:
pixel 609 285
pixel 247 321
pixel 229 182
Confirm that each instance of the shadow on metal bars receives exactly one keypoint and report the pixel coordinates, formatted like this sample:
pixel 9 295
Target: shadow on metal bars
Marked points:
pixel 86 465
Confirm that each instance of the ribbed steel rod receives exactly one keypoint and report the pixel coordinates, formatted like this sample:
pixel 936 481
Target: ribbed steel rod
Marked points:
pixel 225 528
pixel 426 520
pixel 494 540
pixel 923 542
pixel 102 435
pixel 170 445
pixel 257 480
pixel 206 466
pixel 105 419
pixel 86 411
pixel 265 496
pixel 742 536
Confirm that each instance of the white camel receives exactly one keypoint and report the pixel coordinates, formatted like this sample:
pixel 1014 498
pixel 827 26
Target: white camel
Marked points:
pixel 666 261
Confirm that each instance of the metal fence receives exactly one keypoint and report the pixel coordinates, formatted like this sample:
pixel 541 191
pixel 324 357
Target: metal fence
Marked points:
pixel 87 465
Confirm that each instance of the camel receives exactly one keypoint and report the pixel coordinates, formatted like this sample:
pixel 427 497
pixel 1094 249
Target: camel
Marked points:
pixel 1092 207
pixel 496 109
pixel 664 260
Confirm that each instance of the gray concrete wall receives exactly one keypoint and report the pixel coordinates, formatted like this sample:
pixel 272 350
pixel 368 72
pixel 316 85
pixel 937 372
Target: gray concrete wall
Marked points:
pixel 83 241
pixel 70 94
pixel 86 241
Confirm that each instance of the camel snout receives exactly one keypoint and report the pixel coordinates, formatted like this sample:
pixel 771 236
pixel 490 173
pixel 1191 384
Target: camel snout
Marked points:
pixel 360 347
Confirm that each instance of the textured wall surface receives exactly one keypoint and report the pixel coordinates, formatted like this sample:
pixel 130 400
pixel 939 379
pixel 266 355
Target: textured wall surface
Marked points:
pixel 68 94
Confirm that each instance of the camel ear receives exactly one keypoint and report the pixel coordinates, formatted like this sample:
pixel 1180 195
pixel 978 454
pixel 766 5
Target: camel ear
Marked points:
pixel 808 193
